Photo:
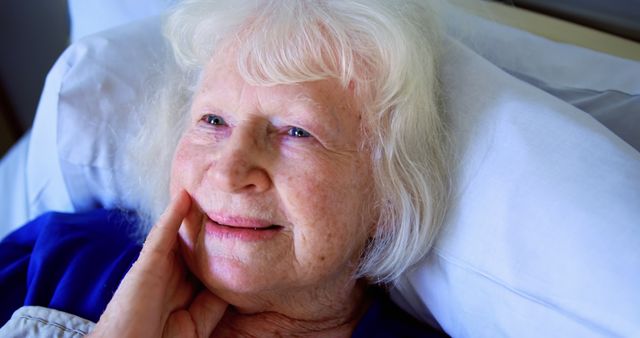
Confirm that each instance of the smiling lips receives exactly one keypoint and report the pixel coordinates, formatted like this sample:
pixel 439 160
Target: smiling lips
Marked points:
pixel 240 228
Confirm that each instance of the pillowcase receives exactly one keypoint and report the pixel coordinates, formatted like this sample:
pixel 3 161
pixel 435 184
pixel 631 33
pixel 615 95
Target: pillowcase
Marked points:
pixel 98 103
pixel 542 234
pixel 89 101
pixel 615 109
pixel 554 63
pixel 92 16
pixel 574 74
pixel 541 238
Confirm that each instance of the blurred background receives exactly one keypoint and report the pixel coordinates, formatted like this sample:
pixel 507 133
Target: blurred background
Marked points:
pixel 33 33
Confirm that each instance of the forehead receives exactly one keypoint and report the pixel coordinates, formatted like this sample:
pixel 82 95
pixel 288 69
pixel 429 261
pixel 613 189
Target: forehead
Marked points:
pixel 221 82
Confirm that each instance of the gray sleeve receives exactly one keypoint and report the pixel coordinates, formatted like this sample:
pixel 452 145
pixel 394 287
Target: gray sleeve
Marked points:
pixel 36 321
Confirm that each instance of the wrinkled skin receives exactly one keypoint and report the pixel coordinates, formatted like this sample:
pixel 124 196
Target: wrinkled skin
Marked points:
pixel 279 212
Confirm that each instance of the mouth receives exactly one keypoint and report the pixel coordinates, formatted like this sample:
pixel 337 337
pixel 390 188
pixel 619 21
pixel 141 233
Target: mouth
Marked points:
pixel 265 228
pixel 240 229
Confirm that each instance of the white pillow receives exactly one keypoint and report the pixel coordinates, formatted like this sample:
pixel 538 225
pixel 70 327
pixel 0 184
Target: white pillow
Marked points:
pixel 554 63
pixel 542 237
pixel 92 16
pixel 574 74
pixel 89 101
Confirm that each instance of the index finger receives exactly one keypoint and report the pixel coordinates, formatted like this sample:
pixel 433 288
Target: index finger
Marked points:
pixel 163 235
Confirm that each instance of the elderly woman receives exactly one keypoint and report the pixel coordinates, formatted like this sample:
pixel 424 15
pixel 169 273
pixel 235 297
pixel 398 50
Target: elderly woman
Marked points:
pixel 302 146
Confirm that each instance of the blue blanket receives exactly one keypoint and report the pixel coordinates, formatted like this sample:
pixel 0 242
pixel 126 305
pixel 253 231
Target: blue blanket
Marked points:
pixel 69 262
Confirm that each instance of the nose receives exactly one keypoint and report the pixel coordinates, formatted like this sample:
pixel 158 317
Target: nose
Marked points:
pixel 239 164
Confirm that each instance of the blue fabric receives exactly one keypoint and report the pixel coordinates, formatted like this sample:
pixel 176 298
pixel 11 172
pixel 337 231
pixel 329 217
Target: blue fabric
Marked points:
pixel 69 262
pixel 74 263
pixel 385 319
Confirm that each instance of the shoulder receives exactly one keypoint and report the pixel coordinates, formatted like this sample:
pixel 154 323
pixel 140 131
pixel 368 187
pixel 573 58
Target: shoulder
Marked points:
pixel 385 319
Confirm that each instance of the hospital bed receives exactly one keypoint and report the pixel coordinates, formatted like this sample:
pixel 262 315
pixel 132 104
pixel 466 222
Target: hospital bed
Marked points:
pixel 543 234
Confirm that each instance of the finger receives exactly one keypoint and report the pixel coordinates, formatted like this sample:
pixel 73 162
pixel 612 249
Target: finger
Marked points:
pixel 162 236
pixel 179 324
pixel 206 311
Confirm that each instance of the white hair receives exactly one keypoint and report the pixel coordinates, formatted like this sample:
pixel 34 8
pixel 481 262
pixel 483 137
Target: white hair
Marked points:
pixel 387 48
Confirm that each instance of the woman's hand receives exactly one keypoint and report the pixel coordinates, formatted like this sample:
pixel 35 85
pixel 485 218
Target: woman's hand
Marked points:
pixel 159 297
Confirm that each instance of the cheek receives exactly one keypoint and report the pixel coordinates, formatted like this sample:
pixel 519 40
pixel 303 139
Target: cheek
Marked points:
pixel 185 169
pixel 175 183
pixel 186 172
pixel 328 207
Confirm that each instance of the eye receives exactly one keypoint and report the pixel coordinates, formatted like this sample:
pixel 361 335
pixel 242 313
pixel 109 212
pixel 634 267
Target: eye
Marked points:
pixel 298 132
pixel 213 120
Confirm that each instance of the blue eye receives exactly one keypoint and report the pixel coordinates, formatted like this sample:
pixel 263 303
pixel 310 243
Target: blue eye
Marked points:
pixel 298 132
pixel 213 120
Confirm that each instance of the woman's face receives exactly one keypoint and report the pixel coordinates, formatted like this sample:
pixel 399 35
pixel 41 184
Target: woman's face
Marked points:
pixel 282 188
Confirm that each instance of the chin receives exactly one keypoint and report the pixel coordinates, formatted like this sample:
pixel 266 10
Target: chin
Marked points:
pixel 231 279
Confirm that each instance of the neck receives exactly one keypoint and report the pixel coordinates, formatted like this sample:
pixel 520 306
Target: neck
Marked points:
pixel 316 314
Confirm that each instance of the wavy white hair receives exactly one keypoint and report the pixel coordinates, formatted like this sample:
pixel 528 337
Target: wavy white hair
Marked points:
pixel 387 48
